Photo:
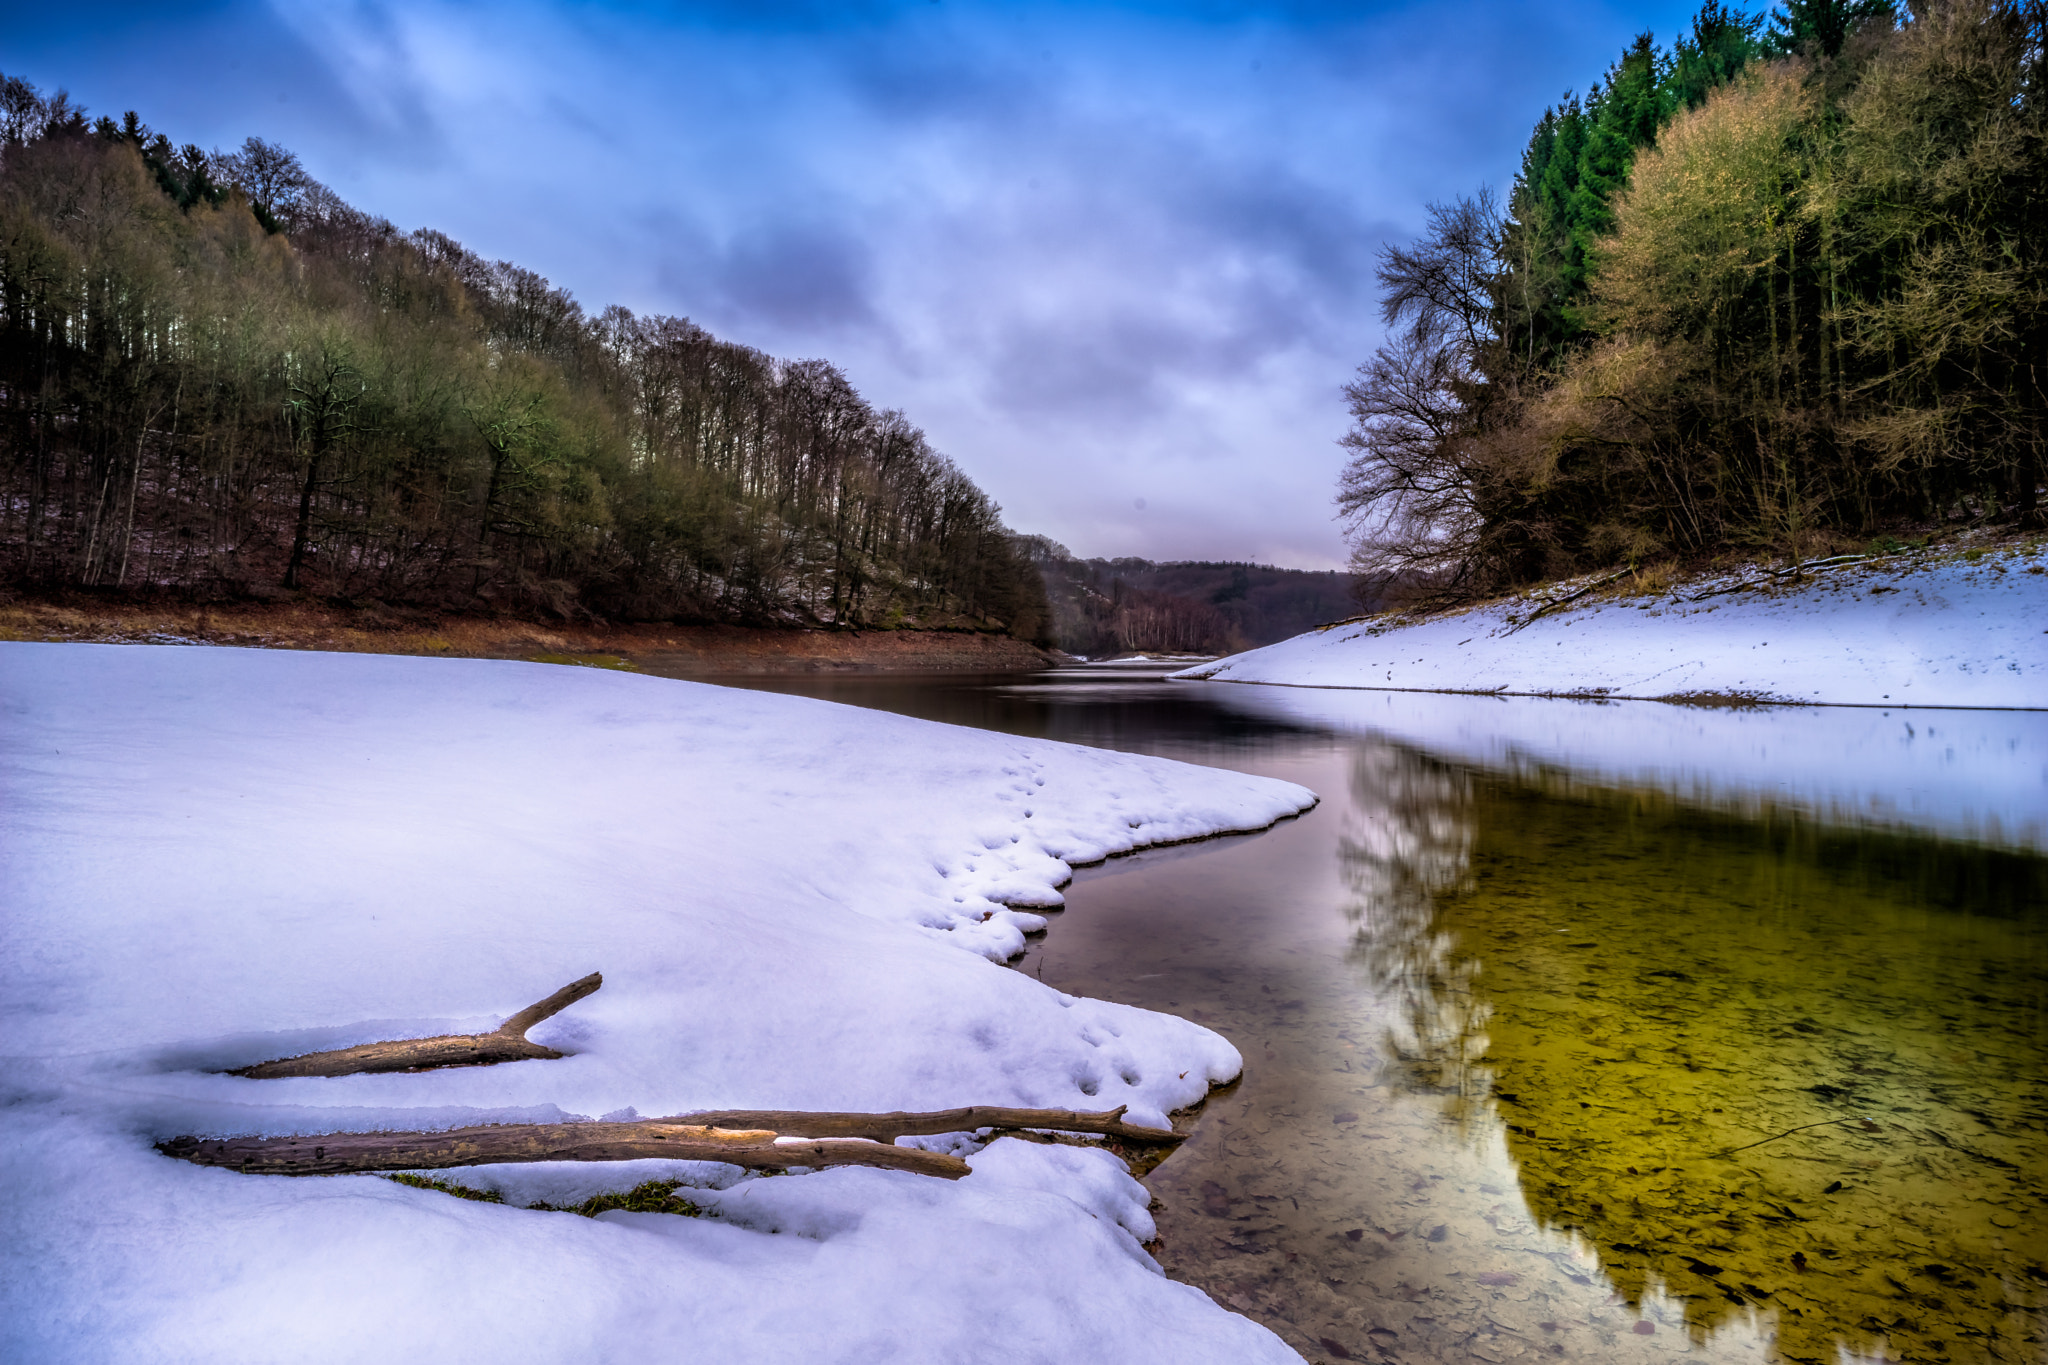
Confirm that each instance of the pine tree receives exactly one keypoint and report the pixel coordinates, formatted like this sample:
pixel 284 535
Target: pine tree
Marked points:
pixel 1822 25
pixel 1723 41
pixel 1621 117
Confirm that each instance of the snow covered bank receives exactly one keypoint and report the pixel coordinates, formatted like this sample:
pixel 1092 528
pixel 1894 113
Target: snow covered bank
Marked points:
pixel 1950 632
pixel 213 857
pixel 1967 774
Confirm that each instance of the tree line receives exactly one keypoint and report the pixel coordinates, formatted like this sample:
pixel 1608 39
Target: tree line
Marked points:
pixel 1112 606
pixel 218 377
pixel 1778 289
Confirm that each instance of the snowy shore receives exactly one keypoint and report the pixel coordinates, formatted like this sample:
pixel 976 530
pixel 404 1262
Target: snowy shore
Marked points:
pixel 210 857
pixel 1966 630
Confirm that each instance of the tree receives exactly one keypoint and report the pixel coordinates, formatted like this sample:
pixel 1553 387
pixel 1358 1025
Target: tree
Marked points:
pixel 326 391
pixel 1411 494
pixel 1821 26
pixel 270 176
pixel 1621 118
pixel 1722 43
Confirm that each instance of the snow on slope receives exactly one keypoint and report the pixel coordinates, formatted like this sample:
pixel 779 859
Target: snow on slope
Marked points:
pixel 1956 632
pixel 212 857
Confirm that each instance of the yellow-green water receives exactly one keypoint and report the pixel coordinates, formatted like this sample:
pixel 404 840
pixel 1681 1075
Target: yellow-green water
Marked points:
pixel 1541 1070
pixel 1760 1070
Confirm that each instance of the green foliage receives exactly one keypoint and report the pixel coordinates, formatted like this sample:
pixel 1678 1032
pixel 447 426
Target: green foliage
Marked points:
pixel 1621 118
pixel 1819 28
pixel 217 377
pixel 1722 42
pixel 421 1182
pixel 1579 158
pixel 1817 305
pixel 653 1196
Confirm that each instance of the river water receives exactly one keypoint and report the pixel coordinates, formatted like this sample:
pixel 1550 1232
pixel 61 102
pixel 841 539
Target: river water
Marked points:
pixel 1609 1032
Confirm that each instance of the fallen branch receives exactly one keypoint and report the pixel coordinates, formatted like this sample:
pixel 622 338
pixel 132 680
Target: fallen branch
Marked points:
pixel 340 1153
pixel 1557 603
pixel 887 1127
pixel 761 1140
pixel 507 1043
pixel 1794 571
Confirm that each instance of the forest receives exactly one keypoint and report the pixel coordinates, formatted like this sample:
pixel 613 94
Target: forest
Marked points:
pixel 1114 606
pixel 1780 289
pixel 219 379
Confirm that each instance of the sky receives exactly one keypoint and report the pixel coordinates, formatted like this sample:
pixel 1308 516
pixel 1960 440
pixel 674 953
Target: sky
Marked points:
pixel 1115 259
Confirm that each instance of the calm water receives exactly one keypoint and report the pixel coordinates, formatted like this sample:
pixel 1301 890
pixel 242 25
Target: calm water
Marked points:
pixel 1538 1066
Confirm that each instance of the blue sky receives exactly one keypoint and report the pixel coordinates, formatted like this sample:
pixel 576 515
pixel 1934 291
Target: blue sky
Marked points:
pixel 1115 259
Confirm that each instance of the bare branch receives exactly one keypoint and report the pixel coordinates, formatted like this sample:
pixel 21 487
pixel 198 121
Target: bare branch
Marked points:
pixel 506 1043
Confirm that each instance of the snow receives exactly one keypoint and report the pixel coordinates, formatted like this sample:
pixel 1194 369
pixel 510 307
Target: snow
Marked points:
pixel 213 857
pixel 1961 631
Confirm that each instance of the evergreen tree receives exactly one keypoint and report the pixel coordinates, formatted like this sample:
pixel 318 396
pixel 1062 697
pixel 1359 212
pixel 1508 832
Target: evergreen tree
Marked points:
pixel 1722 42
pixel 1819 25
pixel 1621 118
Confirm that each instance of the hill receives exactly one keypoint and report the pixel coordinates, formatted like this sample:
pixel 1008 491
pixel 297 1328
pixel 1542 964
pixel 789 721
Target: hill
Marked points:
pixel 219 381
pixel 1112 606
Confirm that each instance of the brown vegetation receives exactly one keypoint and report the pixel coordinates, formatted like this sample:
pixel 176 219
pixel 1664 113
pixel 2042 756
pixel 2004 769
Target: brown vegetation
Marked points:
pixel 1801 307
pixel 668 650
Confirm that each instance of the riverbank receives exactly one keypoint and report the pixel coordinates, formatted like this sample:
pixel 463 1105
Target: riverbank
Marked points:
pixel 672 650
pixel 219 856
pixel 1963 625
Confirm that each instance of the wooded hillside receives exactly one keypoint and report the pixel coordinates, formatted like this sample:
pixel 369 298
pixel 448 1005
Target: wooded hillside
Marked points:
pixel 1111 606
pixel 1780 289
pixel 218 378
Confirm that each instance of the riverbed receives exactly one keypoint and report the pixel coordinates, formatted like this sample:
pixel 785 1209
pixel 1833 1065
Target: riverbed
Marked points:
pixel 1555 1060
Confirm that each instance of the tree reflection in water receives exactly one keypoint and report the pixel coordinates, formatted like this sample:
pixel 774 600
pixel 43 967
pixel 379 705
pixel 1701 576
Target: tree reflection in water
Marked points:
pixel 1407 841
pixel 1766 1085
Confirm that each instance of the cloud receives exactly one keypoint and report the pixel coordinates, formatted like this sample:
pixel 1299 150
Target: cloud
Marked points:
pixel 1102 252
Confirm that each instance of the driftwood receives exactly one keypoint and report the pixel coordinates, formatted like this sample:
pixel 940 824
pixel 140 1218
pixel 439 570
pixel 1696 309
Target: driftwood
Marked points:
pixel 774 1139
pixel 507 1043
pixel 820 1140
pixel 759 1149
pixel 1109 1123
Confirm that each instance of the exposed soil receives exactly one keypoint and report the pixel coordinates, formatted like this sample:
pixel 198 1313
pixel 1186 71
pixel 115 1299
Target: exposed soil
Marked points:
pixel 655 648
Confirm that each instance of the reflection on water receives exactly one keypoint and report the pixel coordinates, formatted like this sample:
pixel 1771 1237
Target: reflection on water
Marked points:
pixel 1770 1085
pixel 1765 1079
pixel 1538 1067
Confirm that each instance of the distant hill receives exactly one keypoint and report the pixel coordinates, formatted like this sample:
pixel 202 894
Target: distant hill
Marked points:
pixel 1110 606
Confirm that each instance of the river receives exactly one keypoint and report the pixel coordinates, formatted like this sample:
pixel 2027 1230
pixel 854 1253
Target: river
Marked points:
pixel 1607 1032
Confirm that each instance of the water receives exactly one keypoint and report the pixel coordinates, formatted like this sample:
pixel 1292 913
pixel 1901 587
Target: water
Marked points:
pixel 1552 1058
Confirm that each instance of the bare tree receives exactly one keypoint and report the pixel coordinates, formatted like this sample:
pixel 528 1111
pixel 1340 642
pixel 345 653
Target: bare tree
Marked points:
pixel 270 176
pixel 1409 495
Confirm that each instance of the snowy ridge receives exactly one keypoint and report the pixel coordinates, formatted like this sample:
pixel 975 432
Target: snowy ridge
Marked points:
pixel 212 857
pixel 1965 631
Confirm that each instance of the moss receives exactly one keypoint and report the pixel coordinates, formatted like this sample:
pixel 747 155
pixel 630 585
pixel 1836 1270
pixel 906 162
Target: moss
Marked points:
pixel 420 1182
pixel 653 1196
